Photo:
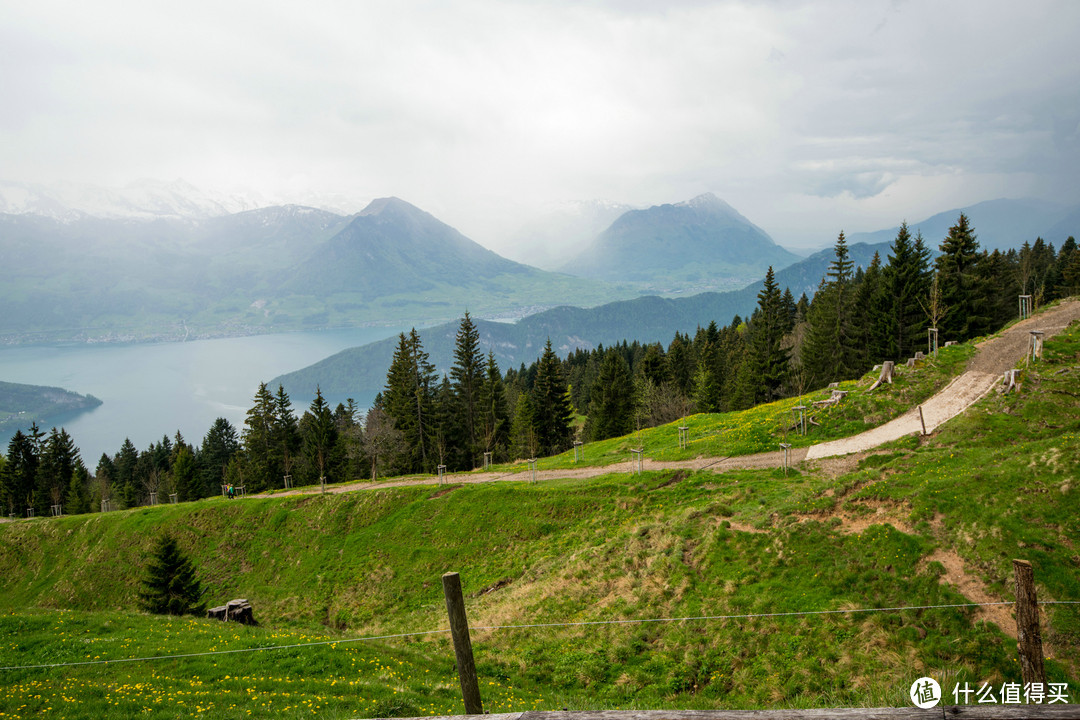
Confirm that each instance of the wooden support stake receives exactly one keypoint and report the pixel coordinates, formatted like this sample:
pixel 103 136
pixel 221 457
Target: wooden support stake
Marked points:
pixel 463 655
pixel 1028 637
pixel 922 420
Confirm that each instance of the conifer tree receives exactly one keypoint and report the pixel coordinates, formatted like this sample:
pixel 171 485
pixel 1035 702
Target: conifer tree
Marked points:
pixel 611 409
pixel 764 369
pixel 409 400
pixel 219 445
pixel 957 266
pixel 170 586
pixel 494 411
pixel 467 377
pixel 258 442
pixel 286 434
pixel 19 475
pixel 906 281
pixel 551 412
pixel 829 352
pixel 320 438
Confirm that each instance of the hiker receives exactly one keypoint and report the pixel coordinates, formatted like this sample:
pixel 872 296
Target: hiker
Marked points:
pixel 232 492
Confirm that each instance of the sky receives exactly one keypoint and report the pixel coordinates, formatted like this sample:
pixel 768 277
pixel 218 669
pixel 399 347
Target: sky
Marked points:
pixel 807 117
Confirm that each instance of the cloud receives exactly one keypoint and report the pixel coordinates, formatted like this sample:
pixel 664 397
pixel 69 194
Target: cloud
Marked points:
pixel 483 111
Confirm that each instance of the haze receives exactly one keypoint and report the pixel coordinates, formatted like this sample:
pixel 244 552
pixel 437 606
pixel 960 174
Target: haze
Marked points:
pixel 808 117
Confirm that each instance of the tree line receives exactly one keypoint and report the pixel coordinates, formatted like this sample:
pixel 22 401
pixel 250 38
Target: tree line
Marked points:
pixel 857 317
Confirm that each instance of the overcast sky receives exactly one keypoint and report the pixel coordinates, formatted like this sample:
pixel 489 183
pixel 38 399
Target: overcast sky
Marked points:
pixel 808 117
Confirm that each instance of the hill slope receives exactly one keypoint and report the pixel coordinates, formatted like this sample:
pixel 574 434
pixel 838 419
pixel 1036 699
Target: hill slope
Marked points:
pixel 928 522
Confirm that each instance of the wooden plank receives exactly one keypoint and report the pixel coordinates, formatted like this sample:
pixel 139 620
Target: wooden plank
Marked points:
pixel 1057 711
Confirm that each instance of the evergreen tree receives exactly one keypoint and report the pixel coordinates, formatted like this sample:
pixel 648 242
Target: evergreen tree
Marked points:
pixel 170 586
pixel 906 281
pixel 409 400
pixel 494 410
pixel 125 483
pixel 286 433
pixel 58 461
pixel 829 352
pixel 19 477
pixel 965 316
pixel 551 412
pixel 467 378
pixel 764 371
pixel 611 412
pixel 260 450
pixel 184 475
pixel 218 448
pixel 320 438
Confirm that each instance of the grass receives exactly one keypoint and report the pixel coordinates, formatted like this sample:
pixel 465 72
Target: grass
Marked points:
pixel 736 552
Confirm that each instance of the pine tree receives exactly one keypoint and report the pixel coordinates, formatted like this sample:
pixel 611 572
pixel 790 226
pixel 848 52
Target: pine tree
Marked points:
pixel 467 377
pixel 170 586
pixel 19 477
pixel 218 448
pixel 957 266
pixel 320 438
pixel 286 433
pixel 495 413
pixel 906 281
pixel 551 412
pixel 829 352
pixel 611 409
pixel 409 400
pixel 764 369
pixel 260 450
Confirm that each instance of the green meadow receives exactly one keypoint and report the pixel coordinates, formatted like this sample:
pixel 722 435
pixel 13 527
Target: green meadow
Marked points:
pixel 669 589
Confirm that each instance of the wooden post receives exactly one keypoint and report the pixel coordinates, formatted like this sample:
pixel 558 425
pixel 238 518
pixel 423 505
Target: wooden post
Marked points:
pixel 922 420
pixel 442 472
pixel 1028 637
pixel 173 498
pixel 487 459
pixel 287 479
pixel 684 436
pixel 463 655
pixel 786 447
pixel 578 444
pixel 636 462
pixel 532 469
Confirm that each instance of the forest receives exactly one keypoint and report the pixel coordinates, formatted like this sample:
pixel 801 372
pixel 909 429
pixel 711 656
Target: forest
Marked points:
pixel 857 318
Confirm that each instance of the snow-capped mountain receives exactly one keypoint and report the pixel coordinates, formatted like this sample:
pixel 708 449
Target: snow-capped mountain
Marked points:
pixel 146 199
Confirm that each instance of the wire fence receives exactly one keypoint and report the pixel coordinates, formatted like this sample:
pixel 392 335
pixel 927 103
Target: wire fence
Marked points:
pixel 526 626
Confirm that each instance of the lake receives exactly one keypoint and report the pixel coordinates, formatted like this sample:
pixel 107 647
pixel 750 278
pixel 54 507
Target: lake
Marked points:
pixel 151 390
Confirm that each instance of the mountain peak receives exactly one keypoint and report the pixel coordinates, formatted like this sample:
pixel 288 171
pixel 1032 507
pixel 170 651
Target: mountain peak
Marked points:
pixel 378 206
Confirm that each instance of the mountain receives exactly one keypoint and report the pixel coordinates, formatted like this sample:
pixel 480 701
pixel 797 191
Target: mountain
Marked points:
pixel 273 269
pixel 392 246
pixel 999 224
pixel 560 232
pixel 700 243
pixel 361 372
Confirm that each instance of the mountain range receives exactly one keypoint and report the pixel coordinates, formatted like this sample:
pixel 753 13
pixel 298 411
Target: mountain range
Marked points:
pixel 267 270
pixel 361 372
pixel 699 244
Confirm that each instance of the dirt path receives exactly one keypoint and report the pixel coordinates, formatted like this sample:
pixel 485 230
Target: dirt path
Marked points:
pixel 993 357
pixel 984 370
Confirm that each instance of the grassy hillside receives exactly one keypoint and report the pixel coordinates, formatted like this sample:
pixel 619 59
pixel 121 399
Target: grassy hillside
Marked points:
pixel 711 577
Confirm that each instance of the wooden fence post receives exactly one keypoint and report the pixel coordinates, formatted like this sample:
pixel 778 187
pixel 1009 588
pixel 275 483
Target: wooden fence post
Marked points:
pixel 459 629
pixel 1028 637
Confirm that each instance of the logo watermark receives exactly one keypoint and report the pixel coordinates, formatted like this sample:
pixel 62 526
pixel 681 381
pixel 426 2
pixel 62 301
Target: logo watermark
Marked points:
pixel 926 693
